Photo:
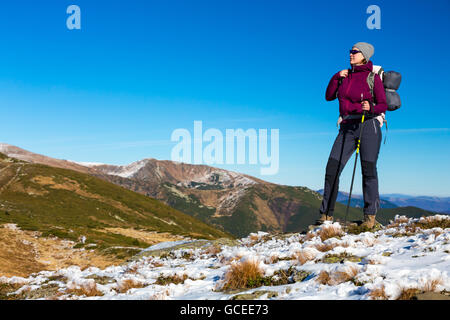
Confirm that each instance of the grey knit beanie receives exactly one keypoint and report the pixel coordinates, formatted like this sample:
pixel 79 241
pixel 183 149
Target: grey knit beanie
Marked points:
pixel 366 49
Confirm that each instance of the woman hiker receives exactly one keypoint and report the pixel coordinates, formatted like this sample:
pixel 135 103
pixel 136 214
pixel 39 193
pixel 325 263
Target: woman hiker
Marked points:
pixel 355 98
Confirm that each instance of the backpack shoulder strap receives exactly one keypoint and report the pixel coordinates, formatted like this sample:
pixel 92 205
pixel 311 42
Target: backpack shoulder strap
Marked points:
pixel 371 82
pixel 371 77
pixel 380 72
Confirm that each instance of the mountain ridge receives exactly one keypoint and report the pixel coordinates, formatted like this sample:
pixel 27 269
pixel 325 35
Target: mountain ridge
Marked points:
pixel 234 202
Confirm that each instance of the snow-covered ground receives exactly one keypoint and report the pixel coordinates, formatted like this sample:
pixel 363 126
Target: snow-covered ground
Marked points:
pixel 389 260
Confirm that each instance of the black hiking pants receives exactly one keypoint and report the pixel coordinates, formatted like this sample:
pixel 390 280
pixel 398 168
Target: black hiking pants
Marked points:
pixel 343 148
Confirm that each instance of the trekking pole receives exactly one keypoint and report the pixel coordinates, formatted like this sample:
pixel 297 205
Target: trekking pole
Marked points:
pixel 356 160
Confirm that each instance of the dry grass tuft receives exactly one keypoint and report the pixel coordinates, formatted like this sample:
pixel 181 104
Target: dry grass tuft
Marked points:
pixel 330 231
pixel 310 235
pixel 163 295
pixel 344 244
pixel 212 250
pixel 175 279
pixel 437 232
pixel 125 285
pixel 324 247
pixel 337 277
pixel 133 268
pixel 241 274
pixel 82 268
pixel 411 293
pixel 305 255
pixel 157 264
pixel 408 294
pixel 346 275
pixel 432 284
pixel 378 293
pixel 255 239
pixel 373 261
pixel 88 289
pixel 226 260
pixel 272 259
pixel 323 277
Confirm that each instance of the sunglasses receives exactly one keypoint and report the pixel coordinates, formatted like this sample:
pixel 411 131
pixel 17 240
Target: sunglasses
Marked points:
pixel 354 51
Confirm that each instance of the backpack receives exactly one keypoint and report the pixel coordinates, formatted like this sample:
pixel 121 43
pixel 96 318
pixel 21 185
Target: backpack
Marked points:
pixel 391 82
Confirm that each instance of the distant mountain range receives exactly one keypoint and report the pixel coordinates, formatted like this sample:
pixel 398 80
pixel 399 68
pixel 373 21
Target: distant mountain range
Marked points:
pixel 393 200
pixel 232 203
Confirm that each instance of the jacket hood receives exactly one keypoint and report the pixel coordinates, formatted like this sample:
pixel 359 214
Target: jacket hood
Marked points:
pixel 364 67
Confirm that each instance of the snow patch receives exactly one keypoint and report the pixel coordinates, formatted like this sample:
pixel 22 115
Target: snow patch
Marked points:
pixel 395 263
pixel 88 164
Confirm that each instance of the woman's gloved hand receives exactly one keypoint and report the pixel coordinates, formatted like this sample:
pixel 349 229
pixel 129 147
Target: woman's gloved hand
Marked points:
pixel 365 105
pixel 343 73
pixel 380 119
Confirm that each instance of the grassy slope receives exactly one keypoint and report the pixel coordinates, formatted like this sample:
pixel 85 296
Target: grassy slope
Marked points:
pixel 69 204
pixel 190 205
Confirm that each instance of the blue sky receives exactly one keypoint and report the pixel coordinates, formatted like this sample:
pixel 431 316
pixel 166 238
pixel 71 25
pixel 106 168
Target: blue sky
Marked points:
pixel 114 91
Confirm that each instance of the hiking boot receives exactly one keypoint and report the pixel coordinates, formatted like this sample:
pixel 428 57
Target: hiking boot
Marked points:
pixel 323 218
pixel 369 221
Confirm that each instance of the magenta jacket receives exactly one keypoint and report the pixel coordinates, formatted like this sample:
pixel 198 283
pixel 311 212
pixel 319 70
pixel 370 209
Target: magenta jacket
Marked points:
pixel 351 88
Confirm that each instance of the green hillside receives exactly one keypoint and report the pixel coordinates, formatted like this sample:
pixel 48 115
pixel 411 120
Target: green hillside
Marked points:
pixel 70 205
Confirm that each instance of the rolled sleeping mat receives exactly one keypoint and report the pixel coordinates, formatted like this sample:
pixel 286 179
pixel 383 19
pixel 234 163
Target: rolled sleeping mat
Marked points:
pixel 392 99
pixel 392 80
